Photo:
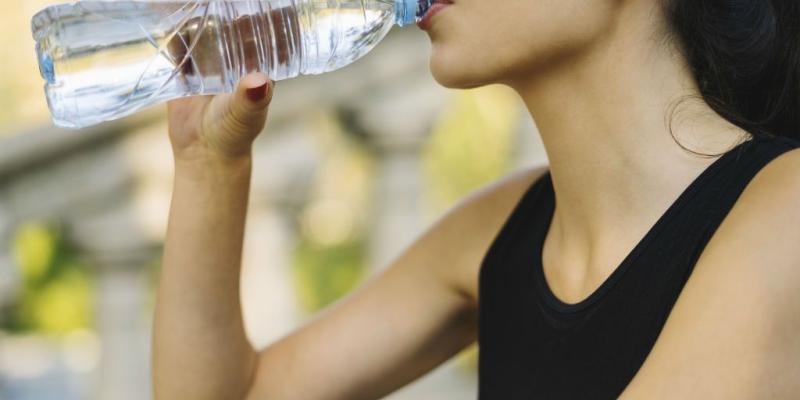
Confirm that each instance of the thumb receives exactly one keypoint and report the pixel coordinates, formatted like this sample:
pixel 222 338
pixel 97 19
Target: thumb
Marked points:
pixel 233 120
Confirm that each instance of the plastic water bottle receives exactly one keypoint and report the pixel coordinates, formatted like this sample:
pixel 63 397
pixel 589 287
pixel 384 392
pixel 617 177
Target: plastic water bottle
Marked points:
pixel 103 60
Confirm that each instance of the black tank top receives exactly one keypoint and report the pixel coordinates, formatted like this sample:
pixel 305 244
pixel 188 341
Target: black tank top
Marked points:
pixel 534 346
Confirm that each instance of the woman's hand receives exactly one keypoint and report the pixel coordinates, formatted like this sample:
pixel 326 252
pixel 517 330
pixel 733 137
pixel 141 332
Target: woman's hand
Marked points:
pixel 220 128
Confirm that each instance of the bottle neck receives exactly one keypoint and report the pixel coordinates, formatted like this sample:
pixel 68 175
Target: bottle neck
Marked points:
pixel 408 12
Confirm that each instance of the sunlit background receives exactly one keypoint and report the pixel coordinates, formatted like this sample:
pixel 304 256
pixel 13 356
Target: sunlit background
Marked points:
pixel 353 165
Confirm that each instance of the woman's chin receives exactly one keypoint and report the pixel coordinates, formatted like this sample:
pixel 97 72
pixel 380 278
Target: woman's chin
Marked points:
pixel 449 75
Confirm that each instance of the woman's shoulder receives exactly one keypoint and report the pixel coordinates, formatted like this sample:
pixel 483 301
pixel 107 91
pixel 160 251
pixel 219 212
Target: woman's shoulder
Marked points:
pixel 759 235
pixel 741 302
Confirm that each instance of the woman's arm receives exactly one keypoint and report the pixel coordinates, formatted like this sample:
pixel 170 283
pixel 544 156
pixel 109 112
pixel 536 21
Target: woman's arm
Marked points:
pixel 200 347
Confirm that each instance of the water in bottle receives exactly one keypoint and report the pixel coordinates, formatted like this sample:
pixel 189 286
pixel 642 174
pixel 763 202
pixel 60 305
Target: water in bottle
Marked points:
pixel 103 60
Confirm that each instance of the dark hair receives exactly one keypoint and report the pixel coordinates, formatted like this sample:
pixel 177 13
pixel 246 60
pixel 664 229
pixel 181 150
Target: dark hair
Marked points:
pixel 745 57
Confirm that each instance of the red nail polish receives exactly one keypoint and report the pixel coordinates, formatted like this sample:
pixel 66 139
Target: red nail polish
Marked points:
pixel 257 94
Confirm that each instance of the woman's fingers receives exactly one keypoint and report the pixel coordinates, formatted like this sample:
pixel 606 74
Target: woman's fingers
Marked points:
pixel 233 120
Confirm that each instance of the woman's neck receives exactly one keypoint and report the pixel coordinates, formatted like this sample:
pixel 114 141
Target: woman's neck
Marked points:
pixel 604 118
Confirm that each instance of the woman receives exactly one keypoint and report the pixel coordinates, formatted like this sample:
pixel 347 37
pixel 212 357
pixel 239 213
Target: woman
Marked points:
pixel 629 285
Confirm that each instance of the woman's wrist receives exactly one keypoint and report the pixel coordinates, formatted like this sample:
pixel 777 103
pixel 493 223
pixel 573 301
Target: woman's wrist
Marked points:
pixel 212 167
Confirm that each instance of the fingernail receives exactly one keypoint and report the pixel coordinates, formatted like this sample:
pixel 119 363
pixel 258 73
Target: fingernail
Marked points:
pixel 257 94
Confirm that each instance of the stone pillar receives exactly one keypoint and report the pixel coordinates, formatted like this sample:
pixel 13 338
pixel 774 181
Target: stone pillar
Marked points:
pixel 284 162
pixel 396 125
pixel 397 214
pixel 114 245
pixel 269 303
pixel 121 320
pixel 9 276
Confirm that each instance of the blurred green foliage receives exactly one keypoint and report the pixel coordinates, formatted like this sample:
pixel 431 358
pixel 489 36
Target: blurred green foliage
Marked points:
pixel 56 290
pixel 469 146
pixel 324 273
pixel 471 143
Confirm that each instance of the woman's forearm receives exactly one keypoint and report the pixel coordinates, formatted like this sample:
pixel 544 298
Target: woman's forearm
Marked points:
pixel 200 350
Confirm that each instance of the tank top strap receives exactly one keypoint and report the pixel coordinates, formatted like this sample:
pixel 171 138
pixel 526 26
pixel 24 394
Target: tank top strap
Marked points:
pixel 732 181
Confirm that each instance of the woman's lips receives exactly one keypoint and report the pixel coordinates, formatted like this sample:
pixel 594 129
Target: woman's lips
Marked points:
pixel 425 23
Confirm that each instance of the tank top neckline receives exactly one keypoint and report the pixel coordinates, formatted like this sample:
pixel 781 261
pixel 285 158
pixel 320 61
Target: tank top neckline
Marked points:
pixel 547 194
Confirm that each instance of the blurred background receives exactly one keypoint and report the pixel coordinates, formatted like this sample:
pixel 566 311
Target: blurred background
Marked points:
pixel 352 167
